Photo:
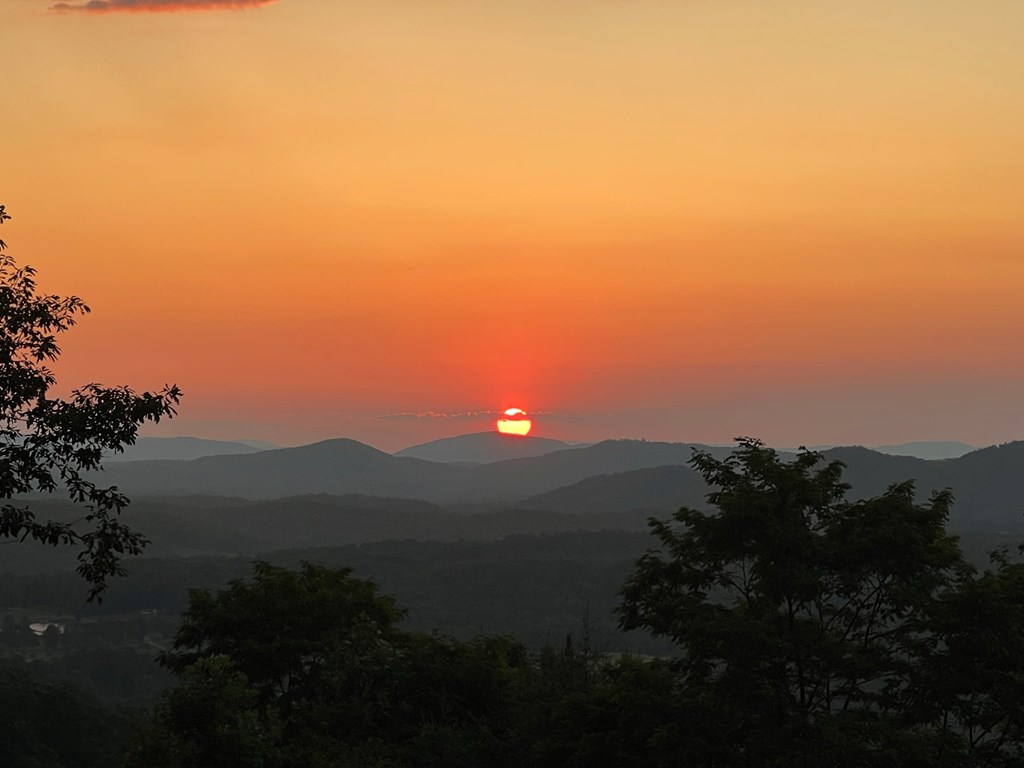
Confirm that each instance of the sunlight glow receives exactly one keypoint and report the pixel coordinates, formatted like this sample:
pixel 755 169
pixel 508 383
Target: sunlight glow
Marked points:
pixel 514 422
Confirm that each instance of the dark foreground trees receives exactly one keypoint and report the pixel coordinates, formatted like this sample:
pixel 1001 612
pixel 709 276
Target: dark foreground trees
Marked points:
pixel 49 444
pixel 50 724
pixel 810 631
pixel 822 631
pixel 307 668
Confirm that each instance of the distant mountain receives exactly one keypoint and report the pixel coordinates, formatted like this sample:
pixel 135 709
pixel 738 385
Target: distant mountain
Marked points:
pixel 179 448
pixel 938 449
pixel 988 487
pixel 263 445
pixel 666 488
pixel 483 448
pixel 988 493
pixel 521 478
pixel 657 489
pixel 333 466
pixel 934 450
pixel 987 484
pixel 345 466
pixel 871 473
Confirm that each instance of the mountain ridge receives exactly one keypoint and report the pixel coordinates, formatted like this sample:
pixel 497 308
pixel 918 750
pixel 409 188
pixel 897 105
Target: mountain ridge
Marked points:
pixel 180 449
pixel 483 448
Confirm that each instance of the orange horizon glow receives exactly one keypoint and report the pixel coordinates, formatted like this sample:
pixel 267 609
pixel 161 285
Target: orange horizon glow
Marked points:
pixel 793 220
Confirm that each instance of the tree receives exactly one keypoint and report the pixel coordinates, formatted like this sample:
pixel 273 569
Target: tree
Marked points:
pixel 50 444
pixel 286 630
pixel 971 681
pixel 633 715
pixel 310 644
pixel 210 720
pixel 45 723
pixel 798 613
pixel 331 681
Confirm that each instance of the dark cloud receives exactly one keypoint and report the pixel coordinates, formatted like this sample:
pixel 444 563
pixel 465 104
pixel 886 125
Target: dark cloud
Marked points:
pixel 156 6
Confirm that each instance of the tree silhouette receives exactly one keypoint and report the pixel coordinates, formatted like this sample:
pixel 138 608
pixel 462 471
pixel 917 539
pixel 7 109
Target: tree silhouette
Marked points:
pixel 50 445
pixel 308 668
pixel 798 613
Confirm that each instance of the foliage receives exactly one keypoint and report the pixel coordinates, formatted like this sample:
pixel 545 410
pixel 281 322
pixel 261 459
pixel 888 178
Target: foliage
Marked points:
pixel 332 681
pixel 800 616
pixel 286 630
pixel 211 720
pixel 49 444
pixel 970 683
pixel 632 715
pixel 48 724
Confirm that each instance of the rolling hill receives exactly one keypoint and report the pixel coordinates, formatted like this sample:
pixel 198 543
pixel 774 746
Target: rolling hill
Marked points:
pixel 986 482
pixel 345 467
pixel 179 449
pixel 333 466
pixel 932 449
pixel 988 491
pixel 483 448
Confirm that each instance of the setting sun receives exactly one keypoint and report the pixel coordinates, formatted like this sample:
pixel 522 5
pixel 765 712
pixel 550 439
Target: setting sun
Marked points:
pixel 514 422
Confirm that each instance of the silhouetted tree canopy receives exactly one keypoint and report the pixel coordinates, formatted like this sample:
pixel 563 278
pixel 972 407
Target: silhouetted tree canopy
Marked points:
pixel 50 724
pixel 306 667
pixel 825 631
pixel 48 444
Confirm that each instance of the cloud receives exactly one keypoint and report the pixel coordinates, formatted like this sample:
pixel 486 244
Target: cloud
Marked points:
pixel 156 6
pixel 439 415
pixel 431 415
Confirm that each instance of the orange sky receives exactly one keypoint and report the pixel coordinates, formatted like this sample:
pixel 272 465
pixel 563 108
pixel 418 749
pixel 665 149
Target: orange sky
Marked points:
pixel 661 218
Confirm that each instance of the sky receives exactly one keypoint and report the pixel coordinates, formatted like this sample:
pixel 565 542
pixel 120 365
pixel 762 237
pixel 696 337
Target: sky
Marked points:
pixel 666 219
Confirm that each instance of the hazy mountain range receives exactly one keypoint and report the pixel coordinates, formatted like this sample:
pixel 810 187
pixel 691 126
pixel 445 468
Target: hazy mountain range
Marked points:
pixel 183 448
pixel 935 449
pixel 483 448
pixel 344 466
pixel 611 476
pixel 475 448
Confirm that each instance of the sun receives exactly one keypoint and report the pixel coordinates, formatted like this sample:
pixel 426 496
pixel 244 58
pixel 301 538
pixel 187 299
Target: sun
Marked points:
pixel 514 422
